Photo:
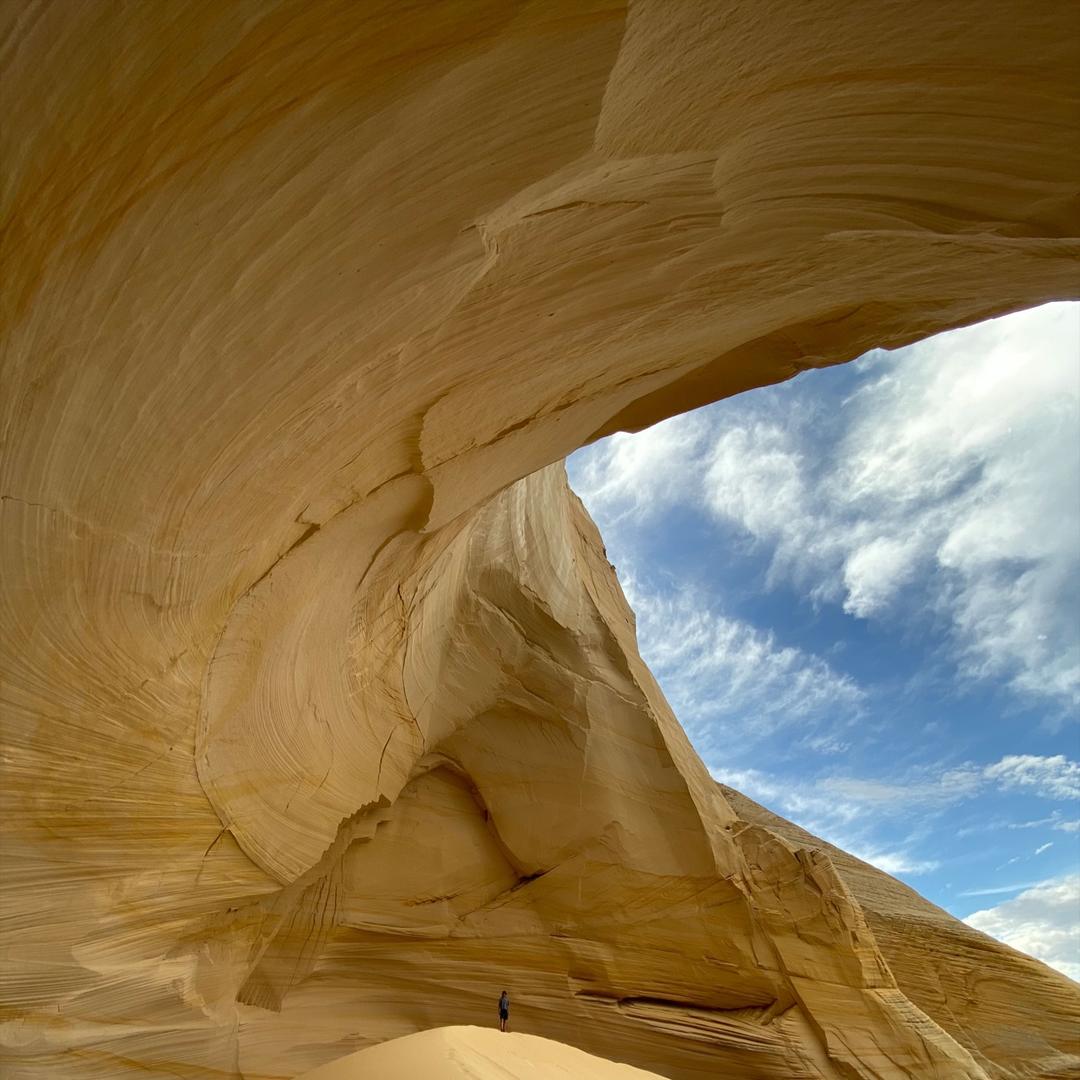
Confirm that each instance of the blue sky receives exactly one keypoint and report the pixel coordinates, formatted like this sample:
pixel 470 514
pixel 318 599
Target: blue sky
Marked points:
pixel 860 591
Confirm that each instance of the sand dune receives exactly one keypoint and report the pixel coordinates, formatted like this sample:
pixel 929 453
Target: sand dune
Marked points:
pixel 473 1053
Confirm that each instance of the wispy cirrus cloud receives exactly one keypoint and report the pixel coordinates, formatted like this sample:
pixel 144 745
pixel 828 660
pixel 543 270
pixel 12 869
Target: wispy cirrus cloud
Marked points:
pixel 724 676
pixel 1056 821
pixel 1050 777
pixel 849 810
pixel 923 787
pixel 841 821
pixel 1000 890
pixel 1053 821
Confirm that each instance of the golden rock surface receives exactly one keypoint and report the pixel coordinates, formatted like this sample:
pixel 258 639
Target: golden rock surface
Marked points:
pixel 323 714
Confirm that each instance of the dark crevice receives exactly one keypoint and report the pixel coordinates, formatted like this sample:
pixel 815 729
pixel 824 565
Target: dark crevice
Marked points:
pixel 527 878
pixel 583 204
pixel 674 1003
pixel 306 535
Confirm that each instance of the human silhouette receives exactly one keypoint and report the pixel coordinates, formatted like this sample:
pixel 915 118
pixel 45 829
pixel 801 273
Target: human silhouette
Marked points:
pixel 504 1011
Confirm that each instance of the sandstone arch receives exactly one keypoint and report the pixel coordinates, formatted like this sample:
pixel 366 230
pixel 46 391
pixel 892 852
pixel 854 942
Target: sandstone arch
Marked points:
pixel 302 302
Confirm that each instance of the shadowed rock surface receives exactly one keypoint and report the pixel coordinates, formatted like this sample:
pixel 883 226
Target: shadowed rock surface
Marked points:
pixel 323 712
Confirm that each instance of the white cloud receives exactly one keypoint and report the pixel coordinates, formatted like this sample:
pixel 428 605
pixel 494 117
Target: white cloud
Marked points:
pixel 759 474
pixel 639 475
pixel 756 476
pixel 719 672
pixel 1051 777
pixel 950 476
pixel 1000 890
pixel 895 862
pixel 924 789
pixel 1043 921
pixel 960 448
pixel 828 742
pixel 820 812
pixel 1054 777
pixel 816 808
pixel 1044 847
pixel 846 810
pixel 1054 820
pixel 875 571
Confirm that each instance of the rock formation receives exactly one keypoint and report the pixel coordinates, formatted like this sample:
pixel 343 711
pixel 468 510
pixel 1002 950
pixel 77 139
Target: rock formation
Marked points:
pixel 323 714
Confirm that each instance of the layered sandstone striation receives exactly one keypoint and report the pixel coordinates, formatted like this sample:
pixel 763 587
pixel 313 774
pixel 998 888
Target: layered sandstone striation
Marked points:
pixel 323 714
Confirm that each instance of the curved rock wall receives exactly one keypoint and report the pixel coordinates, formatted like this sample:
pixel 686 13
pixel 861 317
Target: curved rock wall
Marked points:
pixel 323 715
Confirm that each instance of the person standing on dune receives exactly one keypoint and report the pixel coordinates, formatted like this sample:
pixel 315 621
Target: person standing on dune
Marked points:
pixel 504 1011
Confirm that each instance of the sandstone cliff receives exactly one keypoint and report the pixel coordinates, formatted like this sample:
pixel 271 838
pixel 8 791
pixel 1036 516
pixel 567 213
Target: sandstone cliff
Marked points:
pixel 323 714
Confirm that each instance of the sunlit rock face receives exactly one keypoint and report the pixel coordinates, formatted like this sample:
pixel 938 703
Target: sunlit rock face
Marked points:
pixel 323 715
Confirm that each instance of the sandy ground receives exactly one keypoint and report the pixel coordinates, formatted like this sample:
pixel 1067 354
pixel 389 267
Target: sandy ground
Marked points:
pixel 473 1053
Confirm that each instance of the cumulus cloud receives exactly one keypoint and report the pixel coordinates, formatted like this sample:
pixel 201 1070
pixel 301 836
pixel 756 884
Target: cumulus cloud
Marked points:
pixel 1043 921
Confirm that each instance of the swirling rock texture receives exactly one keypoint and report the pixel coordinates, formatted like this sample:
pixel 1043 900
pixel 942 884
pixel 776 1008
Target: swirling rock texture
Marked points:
pixel 323 714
